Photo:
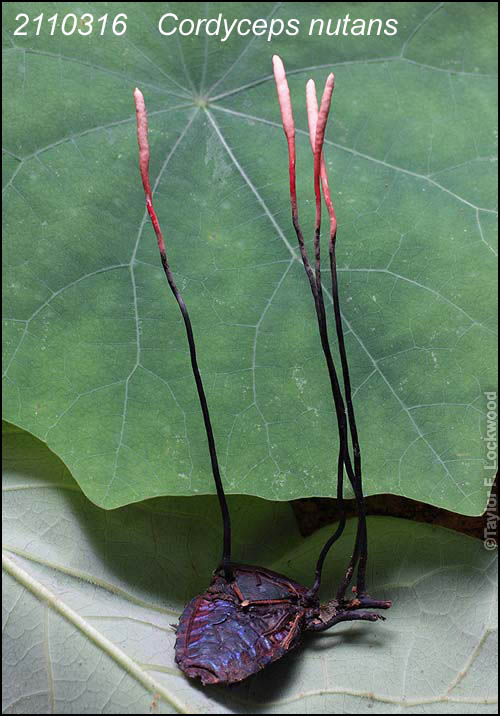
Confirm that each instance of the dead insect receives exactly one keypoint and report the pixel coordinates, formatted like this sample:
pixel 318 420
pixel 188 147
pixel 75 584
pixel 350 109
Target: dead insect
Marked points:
pixel 250 616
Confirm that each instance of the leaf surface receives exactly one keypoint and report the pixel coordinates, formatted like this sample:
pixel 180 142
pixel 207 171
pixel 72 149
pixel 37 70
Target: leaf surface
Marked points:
pixel 95 357
pixel 89 595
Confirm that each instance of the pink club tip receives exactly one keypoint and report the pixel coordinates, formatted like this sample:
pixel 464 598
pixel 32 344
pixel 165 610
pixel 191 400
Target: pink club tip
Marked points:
pixel 312 110
pixel 283 96
pixel 142 140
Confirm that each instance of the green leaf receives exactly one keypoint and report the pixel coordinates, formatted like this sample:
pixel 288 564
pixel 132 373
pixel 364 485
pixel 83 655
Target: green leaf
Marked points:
pixel 89 596
pixel 96 361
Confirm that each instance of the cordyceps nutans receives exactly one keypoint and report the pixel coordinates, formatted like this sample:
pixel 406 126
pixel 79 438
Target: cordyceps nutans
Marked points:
pixel 250 616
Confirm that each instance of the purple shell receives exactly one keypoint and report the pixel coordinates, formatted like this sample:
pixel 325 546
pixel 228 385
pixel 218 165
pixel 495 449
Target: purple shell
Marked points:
pixel 223 635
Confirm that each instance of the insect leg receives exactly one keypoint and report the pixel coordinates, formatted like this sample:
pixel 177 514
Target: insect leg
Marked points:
pixel 345 617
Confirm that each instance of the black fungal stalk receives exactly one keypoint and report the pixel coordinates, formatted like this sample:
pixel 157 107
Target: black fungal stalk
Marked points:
pixel 317 119
pixel 317 125
pixel 250 616
pixel 142 140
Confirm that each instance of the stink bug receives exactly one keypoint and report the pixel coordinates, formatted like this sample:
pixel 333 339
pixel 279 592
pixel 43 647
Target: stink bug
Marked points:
pixel 238 627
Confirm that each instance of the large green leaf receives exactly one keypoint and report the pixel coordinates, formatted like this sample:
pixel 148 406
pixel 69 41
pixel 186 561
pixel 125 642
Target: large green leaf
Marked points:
pixel 89 595
pixel 96 361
